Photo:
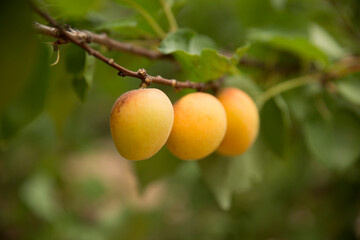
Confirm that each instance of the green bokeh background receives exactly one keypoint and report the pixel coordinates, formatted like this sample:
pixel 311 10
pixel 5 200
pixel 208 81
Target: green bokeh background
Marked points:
pixel 60 174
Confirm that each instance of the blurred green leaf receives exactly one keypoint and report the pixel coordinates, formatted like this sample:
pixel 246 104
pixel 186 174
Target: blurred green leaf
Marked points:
pixel 275 124
pixel 324 41
pixel 75 59
pixel 118 24
pixel 61 99
pixel 197 56
pixel 335 141
pixel 75 9
pixel 159 166
pixel 239 53
pixel 245 83
pixel 38 193
pixel 89 69
pixel 81 87
pixel 209 65
pixel 82 82
pixel 226 176
pixel 298 45
pixel 278 4
pixel 349 88
pixel 187 41
pixel 20 47
pixel 30 103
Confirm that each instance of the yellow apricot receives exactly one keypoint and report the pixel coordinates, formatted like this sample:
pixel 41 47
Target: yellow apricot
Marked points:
pixel 242 121
pixel 141 122
pixel 199 126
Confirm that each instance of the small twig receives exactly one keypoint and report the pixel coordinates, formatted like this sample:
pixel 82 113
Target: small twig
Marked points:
pixel 340 69
pixel 73 36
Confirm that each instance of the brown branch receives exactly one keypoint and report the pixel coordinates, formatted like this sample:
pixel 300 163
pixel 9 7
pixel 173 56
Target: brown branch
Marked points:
pixel 102 39
pixel 82 38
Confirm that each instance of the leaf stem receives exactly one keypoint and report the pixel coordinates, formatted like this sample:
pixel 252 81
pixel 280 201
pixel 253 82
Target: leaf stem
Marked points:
pixel 169 15
pixel 285 86
pixel 155 26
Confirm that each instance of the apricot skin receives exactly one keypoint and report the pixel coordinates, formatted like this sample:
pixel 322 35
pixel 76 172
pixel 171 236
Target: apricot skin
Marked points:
pixel 140 123
pixel 199 126
pixel 242 121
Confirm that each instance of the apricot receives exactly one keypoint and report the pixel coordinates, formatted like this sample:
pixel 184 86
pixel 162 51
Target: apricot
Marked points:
pixel 140 123
pixel 242 121
pixel 199 126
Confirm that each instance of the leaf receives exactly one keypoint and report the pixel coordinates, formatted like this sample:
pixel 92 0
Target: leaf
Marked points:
pixel 239 53
pixel 209 65
pixel 349 88
pixel 187 41
pixel 75 59
pixel 334 142
pixel 80 87
pixel 21 54
pixel 89 69
pixel 75 9
pixel 197 56
pixel 324 41
pixel 226 176
pixel 30 103
pixel 62 97
pixel 275 123
pixel 38 193
pixel 298 45
pixel 118 24
pixel 157 167
pixel 82 83
pixel 245 83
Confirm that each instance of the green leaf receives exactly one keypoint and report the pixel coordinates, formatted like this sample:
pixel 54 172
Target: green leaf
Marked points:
pixel 275 123
pixel 245 83
pixel 324 41
pixel 215 170
pixel 80 87
pixel 29 104
pixel 38 193
pixel 349 88
pixel 157 167
pixel 118 24
pixel 62 97
pixel 187 41
pixel 226 176
pixel 89 69
pixel 335 141
pixel 239 53
pixel 75 9
pixel 21 52
pixel 82 83
pixel 197 56
pixel 298 45
pixel 209 65
pixel 75 59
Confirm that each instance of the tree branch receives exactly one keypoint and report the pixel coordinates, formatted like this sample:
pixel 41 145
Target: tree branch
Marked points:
pixel 101 39
pixel 82 38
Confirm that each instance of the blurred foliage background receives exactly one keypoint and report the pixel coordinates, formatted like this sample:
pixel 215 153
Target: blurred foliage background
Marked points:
pixel 61 177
